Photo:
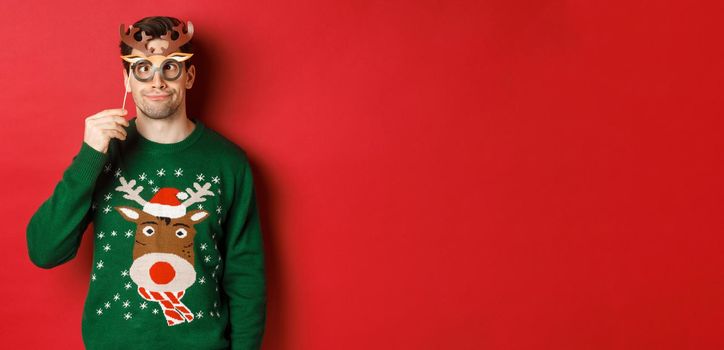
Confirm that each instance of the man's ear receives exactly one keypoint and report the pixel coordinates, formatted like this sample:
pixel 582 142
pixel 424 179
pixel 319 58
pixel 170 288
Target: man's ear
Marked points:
pixel 191 76
pixel 126 80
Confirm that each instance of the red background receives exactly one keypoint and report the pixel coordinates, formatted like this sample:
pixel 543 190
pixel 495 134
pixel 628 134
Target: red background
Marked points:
pixel 431 174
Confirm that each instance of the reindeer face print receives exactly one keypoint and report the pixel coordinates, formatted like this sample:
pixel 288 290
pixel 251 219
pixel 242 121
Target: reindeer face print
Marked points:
pixel 163 234
pixel 163 251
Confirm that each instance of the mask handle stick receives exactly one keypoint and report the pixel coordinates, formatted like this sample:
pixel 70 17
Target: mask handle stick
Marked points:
pixel 126 93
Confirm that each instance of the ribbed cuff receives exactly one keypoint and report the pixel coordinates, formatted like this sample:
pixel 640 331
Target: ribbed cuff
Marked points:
pixel 88 163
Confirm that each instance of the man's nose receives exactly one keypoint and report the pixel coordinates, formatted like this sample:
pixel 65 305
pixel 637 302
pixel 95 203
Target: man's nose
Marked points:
pixel 158 81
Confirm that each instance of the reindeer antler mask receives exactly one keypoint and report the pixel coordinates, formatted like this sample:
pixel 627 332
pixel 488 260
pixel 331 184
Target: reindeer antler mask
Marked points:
pixel 167 62
pixel 171 51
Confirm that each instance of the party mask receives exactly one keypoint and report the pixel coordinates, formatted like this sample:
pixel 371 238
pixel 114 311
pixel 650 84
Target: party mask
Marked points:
pixel 168 62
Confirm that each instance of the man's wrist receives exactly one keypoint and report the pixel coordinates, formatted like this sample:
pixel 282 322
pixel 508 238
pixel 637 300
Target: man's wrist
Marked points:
pixel 88 163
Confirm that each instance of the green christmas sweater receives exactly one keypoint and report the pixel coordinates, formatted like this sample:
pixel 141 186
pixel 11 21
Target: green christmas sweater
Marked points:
pixel 178 259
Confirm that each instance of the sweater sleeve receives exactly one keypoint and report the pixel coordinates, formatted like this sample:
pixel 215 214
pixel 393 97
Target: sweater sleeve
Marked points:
pixel 243 280
pixel 55 230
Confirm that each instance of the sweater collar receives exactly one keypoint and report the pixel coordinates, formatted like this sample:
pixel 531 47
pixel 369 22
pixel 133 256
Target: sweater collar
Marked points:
pixel 145 145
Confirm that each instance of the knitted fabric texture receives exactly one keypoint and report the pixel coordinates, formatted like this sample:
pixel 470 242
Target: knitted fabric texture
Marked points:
pixel 178 259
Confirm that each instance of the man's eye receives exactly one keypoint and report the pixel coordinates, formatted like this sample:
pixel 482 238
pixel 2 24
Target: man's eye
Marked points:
pixel 170 67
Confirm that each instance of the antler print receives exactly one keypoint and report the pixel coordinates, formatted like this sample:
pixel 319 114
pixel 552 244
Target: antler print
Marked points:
pixel 197 196
pixel 131 194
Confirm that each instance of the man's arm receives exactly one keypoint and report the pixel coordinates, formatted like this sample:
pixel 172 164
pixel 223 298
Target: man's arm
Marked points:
pixel 244 281
pixel 55 230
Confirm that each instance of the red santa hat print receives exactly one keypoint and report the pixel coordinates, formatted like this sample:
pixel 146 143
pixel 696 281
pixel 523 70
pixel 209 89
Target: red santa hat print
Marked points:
pixel 166 203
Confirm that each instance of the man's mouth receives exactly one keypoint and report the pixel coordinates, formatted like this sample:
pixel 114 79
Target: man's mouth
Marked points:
pixel 157 97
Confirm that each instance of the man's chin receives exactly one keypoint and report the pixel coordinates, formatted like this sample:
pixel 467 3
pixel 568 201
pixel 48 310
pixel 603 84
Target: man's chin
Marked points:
pixel 158 114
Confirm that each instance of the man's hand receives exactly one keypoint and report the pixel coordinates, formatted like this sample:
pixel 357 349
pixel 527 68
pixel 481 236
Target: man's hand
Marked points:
pixel 102 126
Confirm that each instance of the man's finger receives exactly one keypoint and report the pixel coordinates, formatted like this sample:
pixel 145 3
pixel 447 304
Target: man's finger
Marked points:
pixel 109 112
pixel 117 128
pixel 111 120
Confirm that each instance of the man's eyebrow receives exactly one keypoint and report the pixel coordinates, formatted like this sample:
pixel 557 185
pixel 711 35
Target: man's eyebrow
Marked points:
pixel 180 224
pixel 149 222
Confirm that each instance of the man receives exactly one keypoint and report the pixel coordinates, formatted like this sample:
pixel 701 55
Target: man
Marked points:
pixel 178 256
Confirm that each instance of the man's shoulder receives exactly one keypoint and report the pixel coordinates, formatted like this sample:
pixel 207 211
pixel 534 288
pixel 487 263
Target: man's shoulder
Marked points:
pixel 223 147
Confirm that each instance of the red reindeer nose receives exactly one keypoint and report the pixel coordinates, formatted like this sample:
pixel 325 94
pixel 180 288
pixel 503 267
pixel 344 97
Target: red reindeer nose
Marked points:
pixel 162 272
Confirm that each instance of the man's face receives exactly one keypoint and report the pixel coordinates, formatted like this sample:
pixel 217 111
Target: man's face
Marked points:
pixel 160 98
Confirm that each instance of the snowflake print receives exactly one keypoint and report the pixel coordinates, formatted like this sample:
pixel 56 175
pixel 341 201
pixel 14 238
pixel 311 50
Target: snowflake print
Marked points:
pixel 202 280
pixel 107 305
pixel 94 205
pixel 142 176
pixel 113 233
pixel 126 304
pixel 143 305
pixel 200 314
pixel 116 297
pixel 200 177
pixel 203 246
pixel 124 273
pixel 107 168
pixel 127 285
pixel 118 172
pixel 150 182
pixel 129 233
pixel 160 172
pixel 178 172
pixel 128 316
pixel 106 247
pixel 99 265
pixel 99 312
pixel 101 235
pixel 218 191
pixel 108 197
pixel 93 277
pixel 200 206
pixel 155 189
pixel 155 311
pixel 218 209
pixel 107 209
pixel 207 258
pixel 215 179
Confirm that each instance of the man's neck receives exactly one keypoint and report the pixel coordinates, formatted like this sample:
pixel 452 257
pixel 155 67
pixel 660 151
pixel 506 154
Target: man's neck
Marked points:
pixel 168 130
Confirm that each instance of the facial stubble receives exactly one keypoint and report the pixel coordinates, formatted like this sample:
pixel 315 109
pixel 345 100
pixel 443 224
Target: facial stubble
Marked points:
pixel 159 109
